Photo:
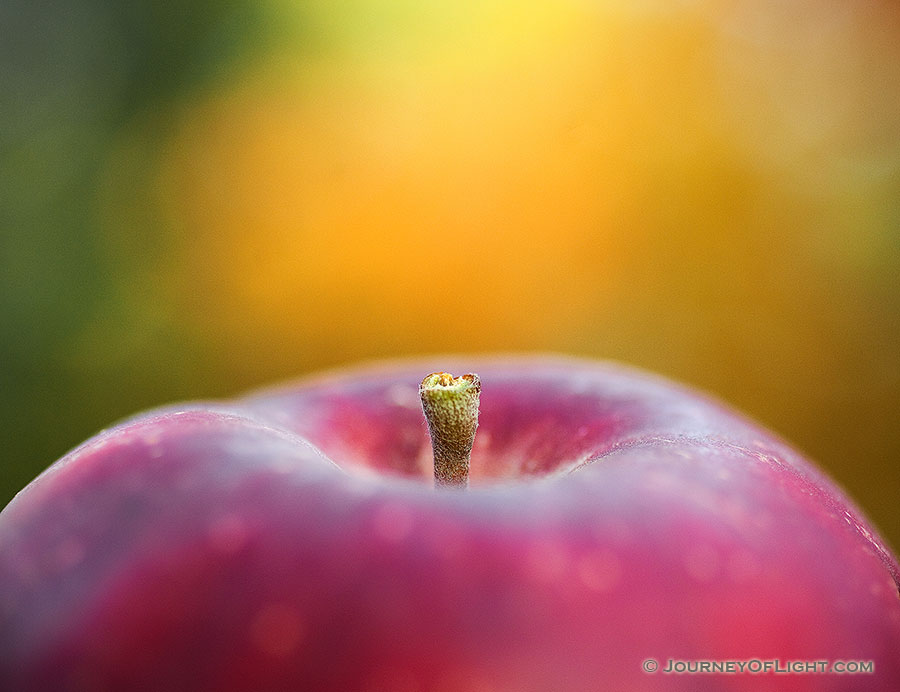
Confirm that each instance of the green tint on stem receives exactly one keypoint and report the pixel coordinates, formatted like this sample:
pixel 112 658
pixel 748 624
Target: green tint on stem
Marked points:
pixel 451 409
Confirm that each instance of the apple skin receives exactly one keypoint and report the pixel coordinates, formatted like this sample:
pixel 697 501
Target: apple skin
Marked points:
pixel 291 540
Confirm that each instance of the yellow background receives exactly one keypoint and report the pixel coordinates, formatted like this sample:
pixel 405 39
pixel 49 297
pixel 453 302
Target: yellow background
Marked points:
pixel 207 200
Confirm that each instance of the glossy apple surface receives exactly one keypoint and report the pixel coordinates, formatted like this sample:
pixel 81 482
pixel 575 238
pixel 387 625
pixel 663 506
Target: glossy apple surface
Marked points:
pixel 292 540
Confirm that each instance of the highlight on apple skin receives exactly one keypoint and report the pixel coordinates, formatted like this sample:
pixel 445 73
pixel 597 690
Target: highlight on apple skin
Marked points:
pixel 293 540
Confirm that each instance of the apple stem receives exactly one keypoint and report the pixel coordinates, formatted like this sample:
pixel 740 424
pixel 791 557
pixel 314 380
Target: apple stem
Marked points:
pixel 451 410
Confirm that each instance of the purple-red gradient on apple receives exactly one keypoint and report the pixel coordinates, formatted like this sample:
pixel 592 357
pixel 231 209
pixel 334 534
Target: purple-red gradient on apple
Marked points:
pixel 294 540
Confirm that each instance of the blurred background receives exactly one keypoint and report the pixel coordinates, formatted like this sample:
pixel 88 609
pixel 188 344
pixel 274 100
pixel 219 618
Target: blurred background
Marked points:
pixel 201 198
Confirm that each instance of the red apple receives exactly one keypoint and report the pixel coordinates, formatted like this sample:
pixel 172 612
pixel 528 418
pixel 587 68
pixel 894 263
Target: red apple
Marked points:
pixel 293 540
